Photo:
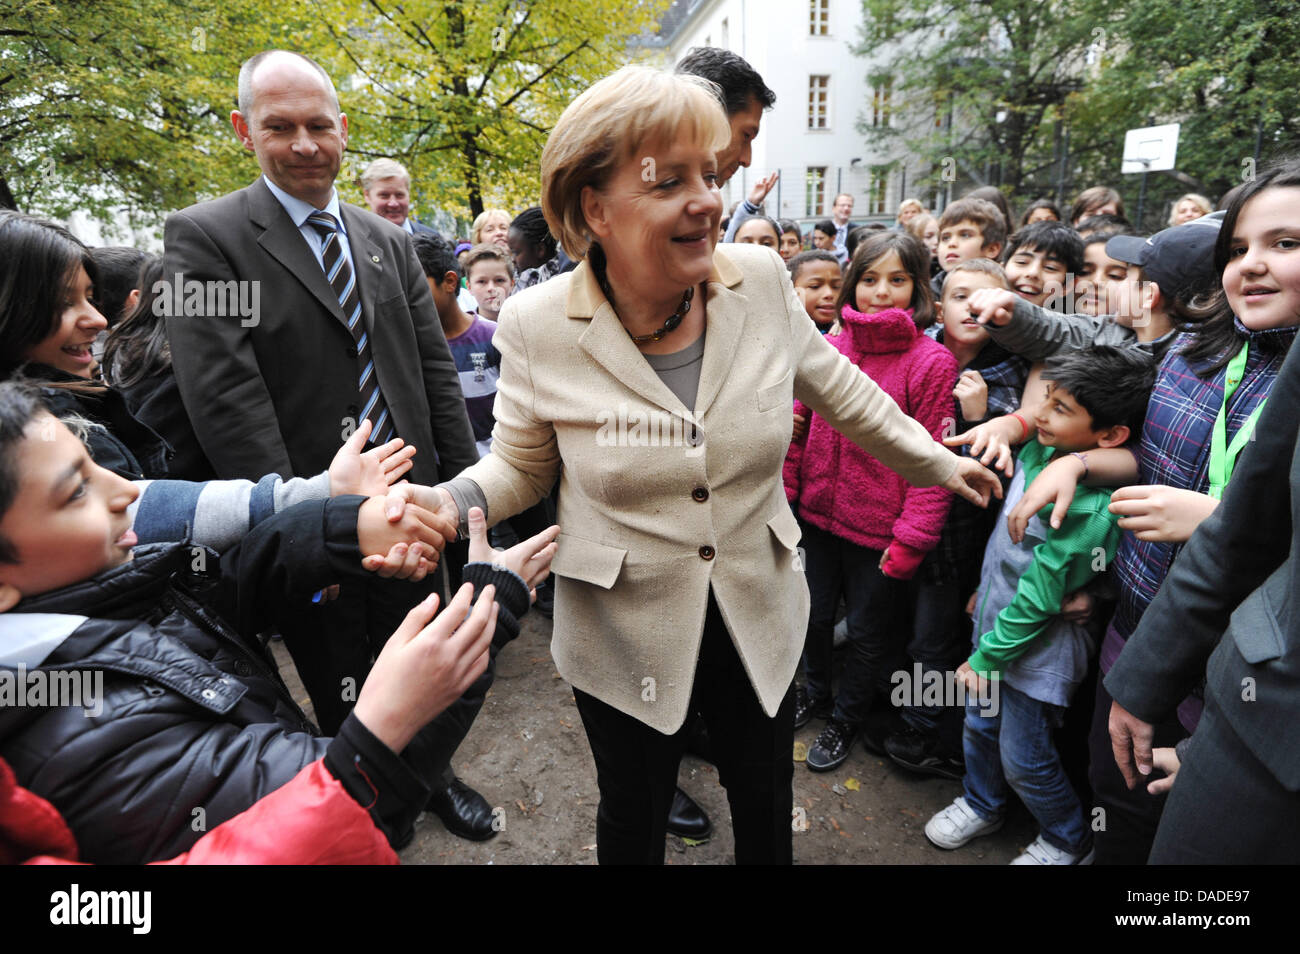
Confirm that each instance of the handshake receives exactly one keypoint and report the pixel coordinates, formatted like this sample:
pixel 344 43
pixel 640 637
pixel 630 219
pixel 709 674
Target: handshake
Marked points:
pixel 403 528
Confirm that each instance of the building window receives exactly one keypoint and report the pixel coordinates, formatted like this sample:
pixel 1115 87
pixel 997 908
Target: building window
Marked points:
pixel 819 17
pixel 881 96
pixel 815 191
pixel 818 93
pixel 878 191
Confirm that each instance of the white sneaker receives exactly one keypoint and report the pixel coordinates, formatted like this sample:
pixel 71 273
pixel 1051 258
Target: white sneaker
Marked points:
pixel 1041 852
pixel 958 824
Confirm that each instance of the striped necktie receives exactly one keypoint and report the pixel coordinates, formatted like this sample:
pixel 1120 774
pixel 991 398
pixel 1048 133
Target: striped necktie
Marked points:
pixel 339 272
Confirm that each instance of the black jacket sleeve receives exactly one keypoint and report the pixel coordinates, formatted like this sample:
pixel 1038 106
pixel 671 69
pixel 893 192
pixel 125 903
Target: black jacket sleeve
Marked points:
pixel 1232 553
pixel 285 559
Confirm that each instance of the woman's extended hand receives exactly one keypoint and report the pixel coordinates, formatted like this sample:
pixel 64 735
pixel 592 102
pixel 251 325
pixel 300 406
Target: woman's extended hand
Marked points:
pixel 990 442
pixel 974 482
pixel 1161 514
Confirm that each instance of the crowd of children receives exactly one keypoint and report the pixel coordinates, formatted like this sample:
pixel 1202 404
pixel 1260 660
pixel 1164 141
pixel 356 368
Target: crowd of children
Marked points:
pixel 1129 372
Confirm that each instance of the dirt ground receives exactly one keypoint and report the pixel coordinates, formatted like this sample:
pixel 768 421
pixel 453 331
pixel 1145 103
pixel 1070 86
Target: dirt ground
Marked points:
pixel 528 755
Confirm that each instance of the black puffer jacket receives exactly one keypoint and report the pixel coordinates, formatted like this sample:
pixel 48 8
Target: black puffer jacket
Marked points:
pixel 196 722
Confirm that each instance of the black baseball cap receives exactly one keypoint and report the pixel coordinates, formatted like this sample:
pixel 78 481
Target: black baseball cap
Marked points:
pixel 1180 260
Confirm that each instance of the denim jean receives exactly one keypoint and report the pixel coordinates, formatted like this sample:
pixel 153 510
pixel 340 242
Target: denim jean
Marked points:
pixel 875 611
pixel 1009 747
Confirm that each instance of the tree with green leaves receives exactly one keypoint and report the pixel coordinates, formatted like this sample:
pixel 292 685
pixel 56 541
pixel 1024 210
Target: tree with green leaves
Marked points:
pixel 980 81
pixel 1226 71
pixel 464 94
pixel 110 104
pixel 1036 97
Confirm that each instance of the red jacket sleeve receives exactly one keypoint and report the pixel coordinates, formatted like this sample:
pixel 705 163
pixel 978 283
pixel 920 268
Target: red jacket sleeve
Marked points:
pixel 312 820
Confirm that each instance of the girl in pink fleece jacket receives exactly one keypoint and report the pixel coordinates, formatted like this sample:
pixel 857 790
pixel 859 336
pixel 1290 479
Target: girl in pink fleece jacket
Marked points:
pixel 866 530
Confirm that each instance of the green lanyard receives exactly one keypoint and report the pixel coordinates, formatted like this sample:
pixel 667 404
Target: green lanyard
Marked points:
pixel 1223 456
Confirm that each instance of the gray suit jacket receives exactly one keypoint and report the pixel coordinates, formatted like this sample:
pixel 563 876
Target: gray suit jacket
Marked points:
pixel 281 394
pixel 1227 601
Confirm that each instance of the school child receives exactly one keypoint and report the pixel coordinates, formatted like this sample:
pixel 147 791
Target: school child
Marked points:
pixel 867 530
pixel 823 235
pixel 791 239
pixel 817 279
pixel 468 336
pixel 1028 659
pixel 192 713
pixel 760 230
pixel 968 228
pixel 490 277
pixel 1041 261
pixel 1211 386
pixel 990 384
pixel 48 324
pixel 1146 287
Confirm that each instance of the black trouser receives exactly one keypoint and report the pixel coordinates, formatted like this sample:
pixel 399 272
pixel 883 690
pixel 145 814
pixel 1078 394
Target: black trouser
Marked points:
pixel 333 643
pixel 636 766
pixel 1226 808
pixel 1123 835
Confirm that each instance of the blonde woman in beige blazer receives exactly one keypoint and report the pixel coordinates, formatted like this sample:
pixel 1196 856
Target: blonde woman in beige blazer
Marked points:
pixel 679 582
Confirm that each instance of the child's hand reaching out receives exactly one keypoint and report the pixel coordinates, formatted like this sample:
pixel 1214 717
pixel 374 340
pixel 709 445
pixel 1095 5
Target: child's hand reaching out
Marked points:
pixel 396 547
pixel 531 559
pixel 371 472
pixel 426 665
pixel 992 306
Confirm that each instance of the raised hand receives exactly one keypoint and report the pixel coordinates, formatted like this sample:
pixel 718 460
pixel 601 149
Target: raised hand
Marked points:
pixel 372 472
pixel 531 559
pixel 426 665
pixel 992 306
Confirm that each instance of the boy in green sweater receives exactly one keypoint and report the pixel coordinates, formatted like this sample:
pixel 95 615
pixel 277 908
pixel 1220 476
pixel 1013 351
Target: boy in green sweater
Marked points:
pixel 1035 656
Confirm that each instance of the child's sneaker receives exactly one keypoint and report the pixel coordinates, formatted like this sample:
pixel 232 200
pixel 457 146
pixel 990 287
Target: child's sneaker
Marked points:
pixel 832 746
pixel 1042 852
pixel 958 824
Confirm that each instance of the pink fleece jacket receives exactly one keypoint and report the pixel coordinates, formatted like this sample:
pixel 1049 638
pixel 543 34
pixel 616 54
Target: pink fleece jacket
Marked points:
pixel 837 486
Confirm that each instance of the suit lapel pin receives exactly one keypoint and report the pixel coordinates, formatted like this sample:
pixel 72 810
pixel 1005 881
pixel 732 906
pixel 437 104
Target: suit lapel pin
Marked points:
pixel 375 259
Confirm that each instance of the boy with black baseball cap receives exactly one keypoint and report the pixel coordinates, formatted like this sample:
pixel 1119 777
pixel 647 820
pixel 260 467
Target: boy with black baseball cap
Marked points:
pixel 1166 272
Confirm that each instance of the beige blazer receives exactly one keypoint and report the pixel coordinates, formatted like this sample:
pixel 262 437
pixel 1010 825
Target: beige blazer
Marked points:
pixel 651 518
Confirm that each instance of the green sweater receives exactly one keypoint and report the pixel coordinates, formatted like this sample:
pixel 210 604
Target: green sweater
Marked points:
pixel 1022 585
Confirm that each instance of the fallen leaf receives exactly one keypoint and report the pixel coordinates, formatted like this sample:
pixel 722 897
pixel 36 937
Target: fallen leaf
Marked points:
pixel 800 752
pixel 852 784
pixel 691 842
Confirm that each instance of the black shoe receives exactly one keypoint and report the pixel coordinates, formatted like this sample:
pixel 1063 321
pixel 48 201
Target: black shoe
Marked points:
pixel 832 745
pixel 806 708
pixel 463 811
pixel 878 727
pixel 545 599
pixel 921 752
pixel 686 819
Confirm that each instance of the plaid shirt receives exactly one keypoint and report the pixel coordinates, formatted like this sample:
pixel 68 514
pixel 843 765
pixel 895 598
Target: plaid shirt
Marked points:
pixel 957 556
pixel 1175 451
